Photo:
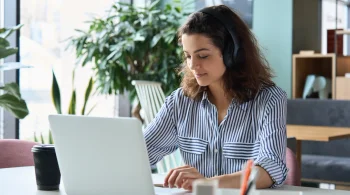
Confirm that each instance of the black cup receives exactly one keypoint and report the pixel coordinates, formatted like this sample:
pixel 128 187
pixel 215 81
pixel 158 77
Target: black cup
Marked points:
pixel 47 172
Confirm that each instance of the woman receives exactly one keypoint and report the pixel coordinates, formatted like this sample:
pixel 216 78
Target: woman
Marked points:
pixel 227 110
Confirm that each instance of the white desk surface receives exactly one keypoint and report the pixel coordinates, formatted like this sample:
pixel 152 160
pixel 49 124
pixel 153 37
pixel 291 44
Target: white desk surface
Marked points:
pixel 18 181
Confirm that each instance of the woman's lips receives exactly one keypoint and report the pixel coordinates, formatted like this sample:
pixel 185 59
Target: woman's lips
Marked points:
pixel 200 75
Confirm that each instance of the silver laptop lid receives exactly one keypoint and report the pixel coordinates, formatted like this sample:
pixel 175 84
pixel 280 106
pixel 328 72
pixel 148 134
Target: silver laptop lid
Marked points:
pixel 101 155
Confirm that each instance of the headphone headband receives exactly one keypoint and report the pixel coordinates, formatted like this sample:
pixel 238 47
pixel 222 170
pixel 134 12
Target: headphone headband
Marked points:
pixel 227 24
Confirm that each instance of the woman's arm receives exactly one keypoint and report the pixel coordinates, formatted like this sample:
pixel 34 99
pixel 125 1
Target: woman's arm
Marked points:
pixel 273 139
pixel 234 180
pixel 272 153
pixel 160 135
pixel 184 176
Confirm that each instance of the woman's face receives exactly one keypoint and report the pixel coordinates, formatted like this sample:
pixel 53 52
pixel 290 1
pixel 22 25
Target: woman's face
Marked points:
pixel 203 58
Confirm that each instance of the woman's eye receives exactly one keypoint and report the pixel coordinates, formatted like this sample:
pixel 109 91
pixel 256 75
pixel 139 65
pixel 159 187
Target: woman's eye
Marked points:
pixel 203 57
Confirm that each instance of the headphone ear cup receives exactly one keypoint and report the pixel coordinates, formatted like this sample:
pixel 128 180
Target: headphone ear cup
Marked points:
pixel 228 56
pixel 240 57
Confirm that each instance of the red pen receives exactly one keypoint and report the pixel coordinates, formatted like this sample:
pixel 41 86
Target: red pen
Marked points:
pixel 247 172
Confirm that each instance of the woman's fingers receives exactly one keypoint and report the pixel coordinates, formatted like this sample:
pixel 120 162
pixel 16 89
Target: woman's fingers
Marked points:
pixel 187 184
pixel 175 174
pixel 191 174
pixel 171 173
pixel 182 177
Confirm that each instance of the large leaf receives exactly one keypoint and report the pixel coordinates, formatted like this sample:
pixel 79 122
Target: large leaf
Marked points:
pixel 73 102
pixel 87 95
pixel 55 94
pixel 5 32
pixel 4 43
pixel 12 89
pixel 11 103
pixel 4 52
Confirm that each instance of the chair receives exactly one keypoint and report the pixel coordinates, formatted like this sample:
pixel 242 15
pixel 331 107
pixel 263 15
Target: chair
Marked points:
pixel 293 176
pixel 16 153
pixel 151 97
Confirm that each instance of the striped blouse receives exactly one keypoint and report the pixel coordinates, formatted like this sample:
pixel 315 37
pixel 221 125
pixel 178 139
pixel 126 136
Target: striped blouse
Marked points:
pixel 252 130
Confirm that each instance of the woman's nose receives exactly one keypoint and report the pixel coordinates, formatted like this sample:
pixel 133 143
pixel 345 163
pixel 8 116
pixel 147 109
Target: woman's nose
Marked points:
pixel 192 63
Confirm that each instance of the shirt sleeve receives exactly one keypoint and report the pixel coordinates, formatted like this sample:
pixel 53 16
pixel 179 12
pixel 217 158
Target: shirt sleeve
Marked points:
pixel 273 138
pixel 161 135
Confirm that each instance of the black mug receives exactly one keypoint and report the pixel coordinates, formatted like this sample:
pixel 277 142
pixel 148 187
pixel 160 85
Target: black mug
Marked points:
pixel 47 172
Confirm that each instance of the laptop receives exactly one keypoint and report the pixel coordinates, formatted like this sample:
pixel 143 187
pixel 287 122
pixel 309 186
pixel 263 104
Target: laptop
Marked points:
pixel 101 155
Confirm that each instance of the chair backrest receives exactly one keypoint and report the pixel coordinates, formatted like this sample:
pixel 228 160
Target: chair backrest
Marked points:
pixel 151 97
pixel 16 153
pixel 293 176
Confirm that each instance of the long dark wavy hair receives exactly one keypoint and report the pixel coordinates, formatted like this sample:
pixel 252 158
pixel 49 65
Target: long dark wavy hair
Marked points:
pixel 245 80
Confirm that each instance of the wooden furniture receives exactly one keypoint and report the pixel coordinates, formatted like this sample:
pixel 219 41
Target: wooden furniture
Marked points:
pixel 315 133
pixel 327 65
pixel 22 181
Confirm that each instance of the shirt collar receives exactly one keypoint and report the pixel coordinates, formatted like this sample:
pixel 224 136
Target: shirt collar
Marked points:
pixel 243 105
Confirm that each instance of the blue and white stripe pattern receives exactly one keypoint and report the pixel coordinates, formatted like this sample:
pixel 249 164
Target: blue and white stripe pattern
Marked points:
pixel 252 130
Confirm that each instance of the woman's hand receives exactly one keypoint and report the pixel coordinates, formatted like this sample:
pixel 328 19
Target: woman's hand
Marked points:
pixel 182 177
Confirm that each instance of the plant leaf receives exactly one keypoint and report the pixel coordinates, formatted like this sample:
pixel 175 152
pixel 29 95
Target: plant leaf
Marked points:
pixel 5 32
pixel 7 52
pixel 35 138
pixel 13 89
pixel 55 94
pixel 155 40
pixel 72 104
pixel 50 137
pixel 11 103
pixel 42 138
pixel 153 4
pixel 4 43
pixel 87 95
pixel 92 108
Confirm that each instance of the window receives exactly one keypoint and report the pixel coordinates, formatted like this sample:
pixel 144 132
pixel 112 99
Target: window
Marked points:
pixel 1 72
pixel 329 22
pixel 47 23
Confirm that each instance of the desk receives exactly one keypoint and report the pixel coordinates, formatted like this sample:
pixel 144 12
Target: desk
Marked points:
pixel 315 133
pixel 18 181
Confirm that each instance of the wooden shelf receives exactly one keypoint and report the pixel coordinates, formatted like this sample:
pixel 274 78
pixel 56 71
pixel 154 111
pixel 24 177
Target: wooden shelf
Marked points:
pixel 317 64
pixel 343 65
pixel 327 65
pixel 342 88
pixel 316 55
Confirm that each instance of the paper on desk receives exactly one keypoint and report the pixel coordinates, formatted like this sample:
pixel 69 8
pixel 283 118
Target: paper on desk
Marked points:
pixel 171 191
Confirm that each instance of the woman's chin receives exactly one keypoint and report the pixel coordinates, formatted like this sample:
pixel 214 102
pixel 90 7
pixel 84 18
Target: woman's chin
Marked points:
pixel 202 84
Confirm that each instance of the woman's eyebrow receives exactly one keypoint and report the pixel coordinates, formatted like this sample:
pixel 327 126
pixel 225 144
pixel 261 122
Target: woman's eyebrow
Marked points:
pixel 198 50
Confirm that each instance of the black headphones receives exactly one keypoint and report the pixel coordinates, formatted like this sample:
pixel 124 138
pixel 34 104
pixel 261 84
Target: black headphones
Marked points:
pixel 233 54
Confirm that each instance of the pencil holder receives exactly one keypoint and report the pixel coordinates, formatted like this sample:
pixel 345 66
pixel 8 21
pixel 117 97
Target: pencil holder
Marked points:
pixel 205 187
pixel 249 183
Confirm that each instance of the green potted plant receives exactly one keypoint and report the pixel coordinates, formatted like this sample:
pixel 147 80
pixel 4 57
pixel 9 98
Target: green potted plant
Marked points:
pixel 72 108
pixel 133 43
pixel 11 99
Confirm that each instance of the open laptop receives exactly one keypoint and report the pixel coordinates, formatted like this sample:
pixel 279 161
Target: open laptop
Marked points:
pixel 101 155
